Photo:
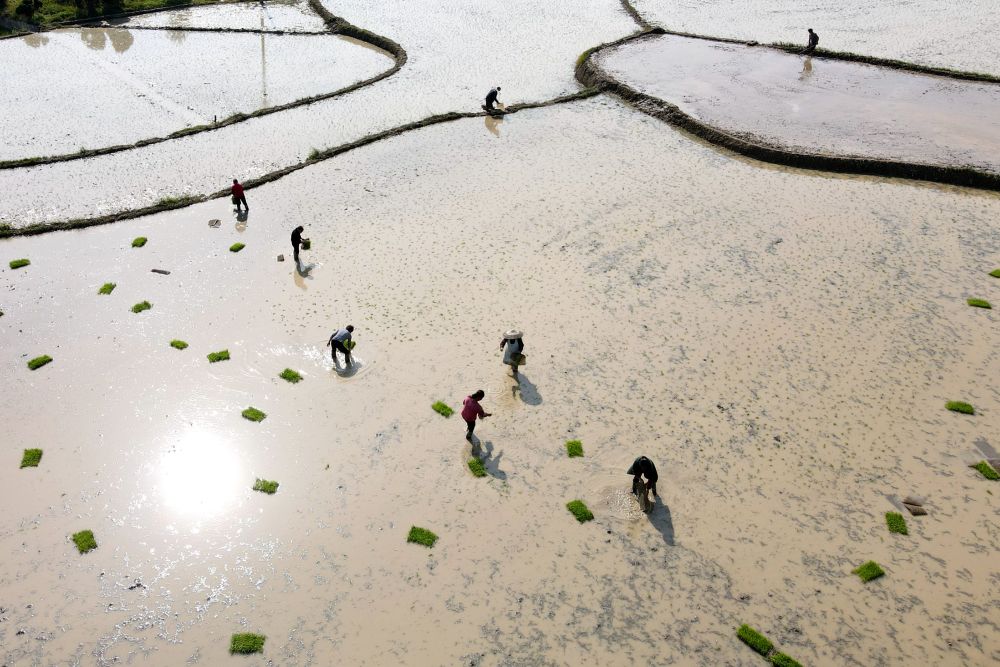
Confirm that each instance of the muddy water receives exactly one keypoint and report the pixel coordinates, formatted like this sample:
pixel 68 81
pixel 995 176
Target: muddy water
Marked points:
pixel 780 343
pixel 456 54
pixel 286 15
pixel 154 83
pixel 931 32
pixel 817 106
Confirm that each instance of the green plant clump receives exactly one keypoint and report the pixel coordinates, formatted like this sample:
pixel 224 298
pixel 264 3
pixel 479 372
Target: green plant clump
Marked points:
pixel 995 273
pixel 265 485
pixel 442 409
pixel 782 660
pixel 84 541
pixel 139 307
pixel 959 406
pixel 754 640
pixel 868 571
pixel 421 536
pixel 290 375
pixel 38 362
pixel 477 468
pixel 989 473
pixel 574 448
pixel 246 642
pixel 221 355
pixel 178 344
pixel 896 523
pixel 979 303
pixel 138 241
pixel 253 414
pixel 107 288
pixel 579 510
pixel 18 263
pixel 31 458
pixel 236 247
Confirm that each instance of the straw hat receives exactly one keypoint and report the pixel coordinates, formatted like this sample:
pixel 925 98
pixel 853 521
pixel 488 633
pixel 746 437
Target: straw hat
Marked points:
pixel 513 334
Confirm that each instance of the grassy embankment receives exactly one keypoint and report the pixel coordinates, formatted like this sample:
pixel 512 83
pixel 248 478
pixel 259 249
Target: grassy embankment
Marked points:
pixel 48 12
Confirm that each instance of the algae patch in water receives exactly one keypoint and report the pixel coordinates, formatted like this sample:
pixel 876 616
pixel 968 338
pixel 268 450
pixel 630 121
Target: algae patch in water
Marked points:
pixel 290 375
pixel 896 523
pixel 578 509
pixel 868 571
pixel 421 536
pixel 979 303
pixel 138 241
pixel 477 468
pixel 141 306
pixel 178 344
pixel 754 640
pixel 246 642
pixel 107 288
pixel 31 458
pixel 253 414
pixel 221 355
pixel 574 448
pixel 265 485
pixel 18 263
pixel 959 406
pixel 38 362
pixel 442 409
pixel 986 471
pixel 84 541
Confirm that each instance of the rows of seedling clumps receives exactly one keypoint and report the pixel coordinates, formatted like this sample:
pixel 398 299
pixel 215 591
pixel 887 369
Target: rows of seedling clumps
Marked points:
pixel 84 540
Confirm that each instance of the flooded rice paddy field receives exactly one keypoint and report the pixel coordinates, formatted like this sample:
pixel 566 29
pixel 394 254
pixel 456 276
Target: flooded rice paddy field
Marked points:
pixel 781 343
pixel 94 87
pixel 456 54
pixel 815 105
pixel 284 15
pixel 938 33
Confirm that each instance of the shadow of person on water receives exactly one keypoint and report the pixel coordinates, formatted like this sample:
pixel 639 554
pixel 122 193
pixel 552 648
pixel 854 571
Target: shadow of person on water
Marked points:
pixel 662 521
pixel 526 390
pixel 483 450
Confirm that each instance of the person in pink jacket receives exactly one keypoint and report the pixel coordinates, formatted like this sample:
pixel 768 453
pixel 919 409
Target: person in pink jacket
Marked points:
pixel 471 410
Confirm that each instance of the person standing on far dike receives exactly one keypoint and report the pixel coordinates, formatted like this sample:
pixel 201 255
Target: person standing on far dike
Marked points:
pixel 338 343
pixel 238 196
pixel 471 410
pixel 297 241
pixel 813 42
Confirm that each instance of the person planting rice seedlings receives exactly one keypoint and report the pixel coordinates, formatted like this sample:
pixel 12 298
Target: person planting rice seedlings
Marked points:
pixel 472 410
pixel 340 342
pixel 513 347
pixel 643 467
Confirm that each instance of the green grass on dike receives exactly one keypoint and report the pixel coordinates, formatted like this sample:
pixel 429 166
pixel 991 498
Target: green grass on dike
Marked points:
pixel 84 541
pixel 290 375
pixel 38 362
pixel 31 458
pixel 246 642
pixel 266 486
pixel 421 536
pixel 896 523
pixel 868 571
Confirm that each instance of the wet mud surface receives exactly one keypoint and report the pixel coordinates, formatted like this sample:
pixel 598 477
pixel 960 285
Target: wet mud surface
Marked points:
pixel 937 33
pixel 818 106
pixel 453 61
pixel 67 86
pixel 780 343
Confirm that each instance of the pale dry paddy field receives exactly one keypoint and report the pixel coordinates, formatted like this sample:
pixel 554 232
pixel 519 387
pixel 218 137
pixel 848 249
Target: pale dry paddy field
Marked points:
pixel 781 343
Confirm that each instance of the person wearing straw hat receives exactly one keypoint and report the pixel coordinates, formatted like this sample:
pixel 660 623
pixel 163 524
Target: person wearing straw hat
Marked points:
pixel 513 355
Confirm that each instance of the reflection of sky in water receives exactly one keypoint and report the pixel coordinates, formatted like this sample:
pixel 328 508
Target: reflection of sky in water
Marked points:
pixel 201 476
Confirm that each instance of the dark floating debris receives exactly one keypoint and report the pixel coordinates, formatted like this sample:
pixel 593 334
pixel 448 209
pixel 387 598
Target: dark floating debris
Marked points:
pixel 161 272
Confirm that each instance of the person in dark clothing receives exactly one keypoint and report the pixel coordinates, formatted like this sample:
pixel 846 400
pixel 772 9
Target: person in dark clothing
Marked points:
pixel 643 467
pixel 297 241
pixel 813 41
pixel 338 343
pixel 238 196
pixel 491 98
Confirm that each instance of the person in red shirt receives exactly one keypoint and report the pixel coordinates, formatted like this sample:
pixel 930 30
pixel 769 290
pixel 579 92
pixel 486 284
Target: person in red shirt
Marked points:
pixel 238 196
pixel 471 410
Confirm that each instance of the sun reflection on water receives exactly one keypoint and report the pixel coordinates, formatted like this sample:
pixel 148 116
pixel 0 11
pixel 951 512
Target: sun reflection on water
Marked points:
pixel 201 476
